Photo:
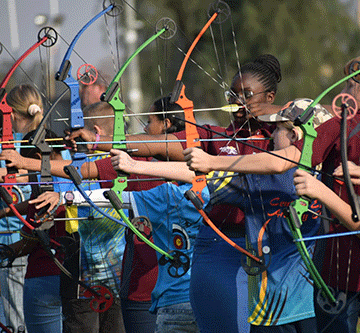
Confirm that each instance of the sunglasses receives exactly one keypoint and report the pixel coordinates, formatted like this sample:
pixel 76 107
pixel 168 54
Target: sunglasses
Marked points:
pixel 232 97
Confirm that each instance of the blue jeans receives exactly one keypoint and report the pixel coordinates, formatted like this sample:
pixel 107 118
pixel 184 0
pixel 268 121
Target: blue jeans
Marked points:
pixel 137 317
pixel 42 304
pixel 12 286
pixel 344 322
pixel 218 285
pixel 176 318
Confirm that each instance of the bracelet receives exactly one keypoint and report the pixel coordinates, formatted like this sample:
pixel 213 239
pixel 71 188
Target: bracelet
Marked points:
pixel 97 139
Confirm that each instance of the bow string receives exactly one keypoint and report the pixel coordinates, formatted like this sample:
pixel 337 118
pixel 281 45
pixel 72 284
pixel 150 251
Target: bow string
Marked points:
pixel 193 140
pixel 326 296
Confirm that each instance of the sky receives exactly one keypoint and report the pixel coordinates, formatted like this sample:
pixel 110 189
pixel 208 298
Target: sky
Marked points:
pixel 21 23
pixel 19 31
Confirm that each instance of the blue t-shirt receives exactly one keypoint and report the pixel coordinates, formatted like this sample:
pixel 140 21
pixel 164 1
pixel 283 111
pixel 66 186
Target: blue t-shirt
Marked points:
pixel 282 294
pixel 175 224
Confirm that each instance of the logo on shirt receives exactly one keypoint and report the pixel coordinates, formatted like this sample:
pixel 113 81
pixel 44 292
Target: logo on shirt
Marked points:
pixel 228 150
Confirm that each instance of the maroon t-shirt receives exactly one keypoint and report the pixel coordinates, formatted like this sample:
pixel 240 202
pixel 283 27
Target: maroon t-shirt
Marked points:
pixel 227 217
pixel 39 262
pixel 140 268
pixel 339 251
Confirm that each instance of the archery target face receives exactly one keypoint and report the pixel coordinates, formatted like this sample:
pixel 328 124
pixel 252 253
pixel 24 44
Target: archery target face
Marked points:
pixel 181 239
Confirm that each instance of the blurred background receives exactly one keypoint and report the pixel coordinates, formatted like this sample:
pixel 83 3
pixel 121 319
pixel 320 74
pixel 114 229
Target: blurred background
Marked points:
pixel 312 39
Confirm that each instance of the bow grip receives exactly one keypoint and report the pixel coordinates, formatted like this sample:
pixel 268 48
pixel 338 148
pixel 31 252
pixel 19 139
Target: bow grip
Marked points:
pixel 43 210
pixel 122 174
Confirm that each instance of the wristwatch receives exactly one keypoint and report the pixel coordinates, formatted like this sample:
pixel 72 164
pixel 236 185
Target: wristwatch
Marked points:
pixel 69 198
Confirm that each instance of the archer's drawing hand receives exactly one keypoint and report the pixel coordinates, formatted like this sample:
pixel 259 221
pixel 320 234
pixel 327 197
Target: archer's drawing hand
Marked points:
pixel 354 171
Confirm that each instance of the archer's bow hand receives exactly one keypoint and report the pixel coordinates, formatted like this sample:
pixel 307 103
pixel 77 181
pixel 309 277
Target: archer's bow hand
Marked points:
pixel 197 160
pixel 354 171
pixel 14 159
pixel 306 185
pixel 84 134
pixel 121 161
pixel 46 198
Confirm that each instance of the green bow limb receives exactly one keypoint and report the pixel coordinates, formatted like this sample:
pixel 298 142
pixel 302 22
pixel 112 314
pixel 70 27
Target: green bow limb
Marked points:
pixel 179 263
pixel 300 206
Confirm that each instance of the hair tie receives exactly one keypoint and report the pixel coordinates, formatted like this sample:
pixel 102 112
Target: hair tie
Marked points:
pixel 33 109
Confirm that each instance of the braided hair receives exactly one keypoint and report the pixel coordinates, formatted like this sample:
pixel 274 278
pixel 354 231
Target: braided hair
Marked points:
pixel 265 68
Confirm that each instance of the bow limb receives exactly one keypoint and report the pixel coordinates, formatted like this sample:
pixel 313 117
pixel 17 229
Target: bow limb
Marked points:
pixel 76 114
pixel 64 75
pixel 49 39
pixel 192 140
pixel 349 108
pixel 298 207
pixel 45 241
pixel 114 195
pixel 76 118
pixel 103 297
pixel 112 97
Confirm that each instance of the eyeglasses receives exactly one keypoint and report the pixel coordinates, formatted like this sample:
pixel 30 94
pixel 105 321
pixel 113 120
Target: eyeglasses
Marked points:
pixel 231 97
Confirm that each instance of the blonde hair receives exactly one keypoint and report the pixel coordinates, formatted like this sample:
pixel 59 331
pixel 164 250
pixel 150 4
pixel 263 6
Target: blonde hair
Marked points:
pixel 290 126
pixel 25 100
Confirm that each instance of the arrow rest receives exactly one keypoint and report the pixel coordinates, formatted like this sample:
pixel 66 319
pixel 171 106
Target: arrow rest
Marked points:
pixel 179 265
pixel 169 25
pixel 50 33
pixel 223 10
pixel 252 267
pixel 331 307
